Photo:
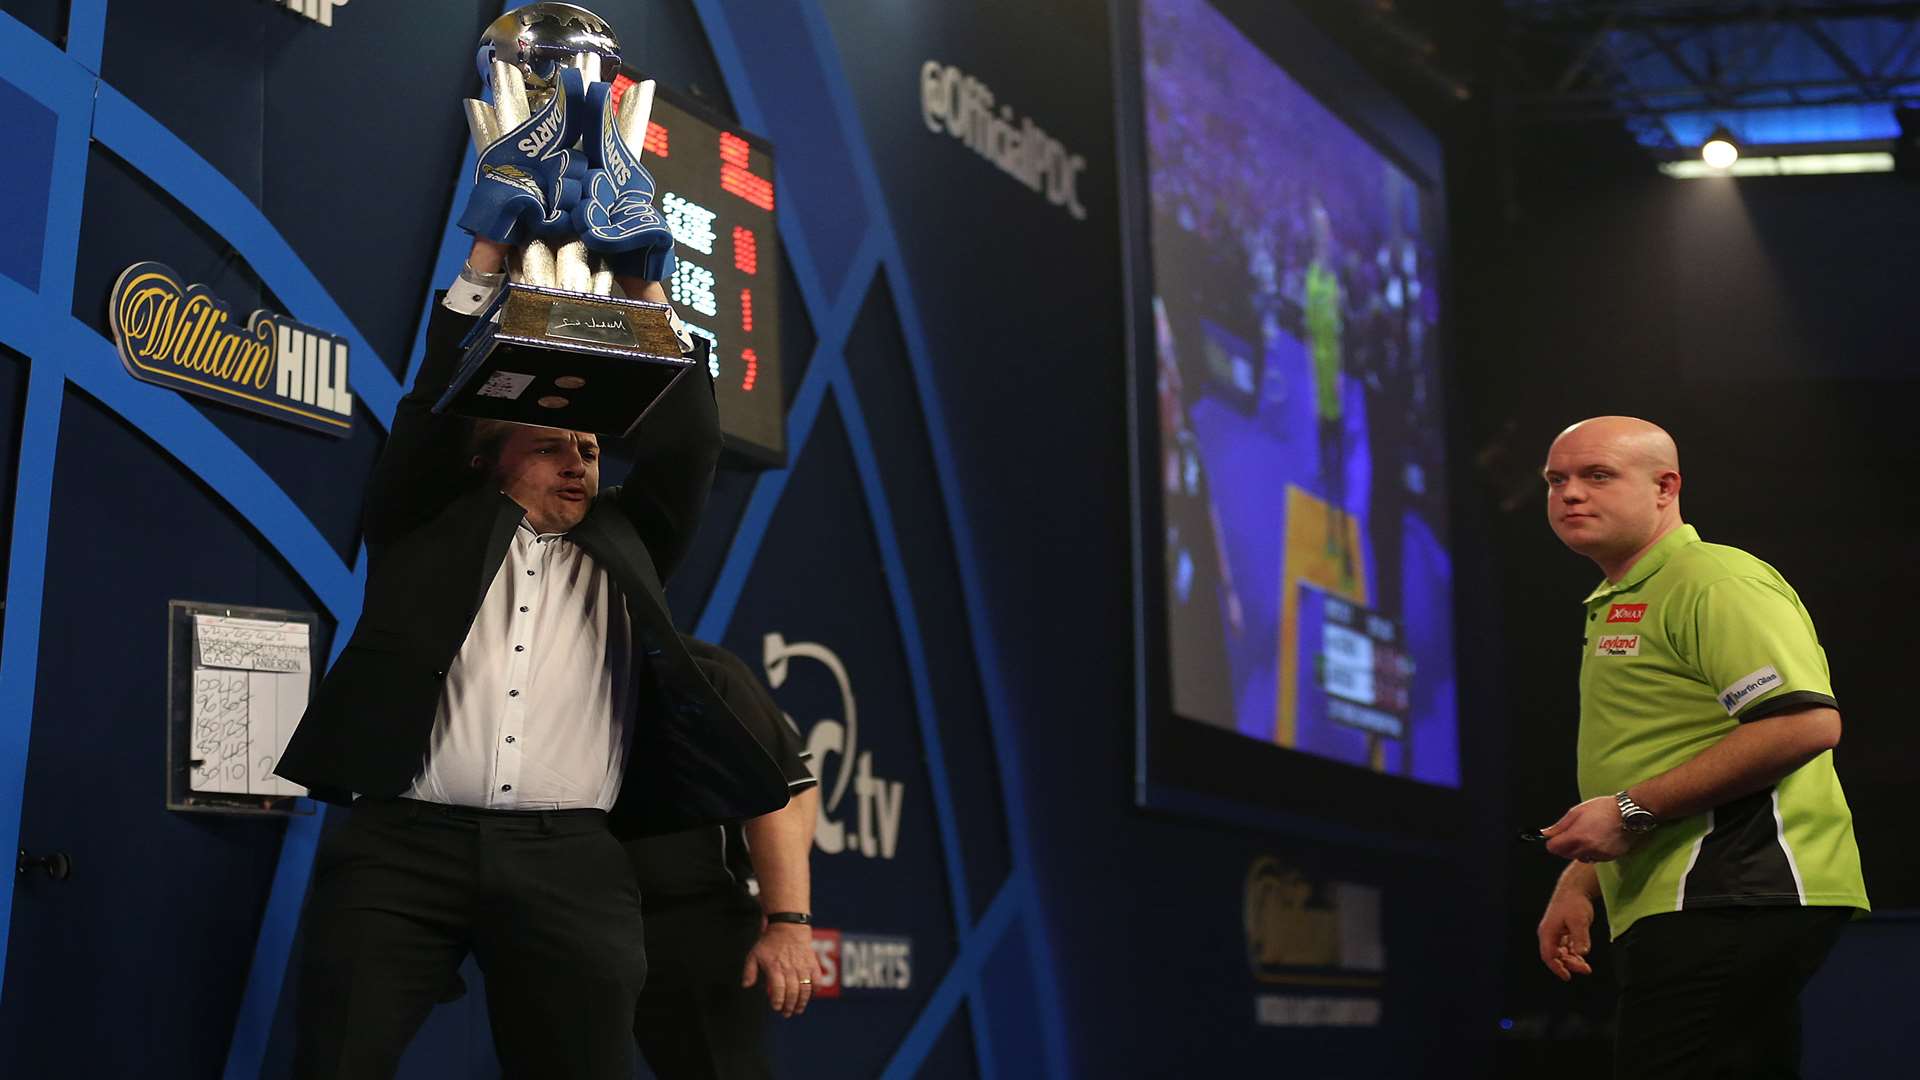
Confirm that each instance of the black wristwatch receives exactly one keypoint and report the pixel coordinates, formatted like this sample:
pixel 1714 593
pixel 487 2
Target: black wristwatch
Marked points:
pixel 799 917
pixel 1633 817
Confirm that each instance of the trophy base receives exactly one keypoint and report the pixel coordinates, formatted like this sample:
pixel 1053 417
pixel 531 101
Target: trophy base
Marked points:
pixel 570 360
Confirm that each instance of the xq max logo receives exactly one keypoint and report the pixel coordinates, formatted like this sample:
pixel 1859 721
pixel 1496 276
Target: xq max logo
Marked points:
pixel 877 800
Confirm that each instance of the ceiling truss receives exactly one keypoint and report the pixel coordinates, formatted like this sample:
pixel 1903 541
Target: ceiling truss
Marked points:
pixel 1645 61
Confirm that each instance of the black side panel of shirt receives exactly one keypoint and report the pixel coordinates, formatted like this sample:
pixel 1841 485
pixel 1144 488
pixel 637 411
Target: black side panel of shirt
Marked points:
pixel 1741 861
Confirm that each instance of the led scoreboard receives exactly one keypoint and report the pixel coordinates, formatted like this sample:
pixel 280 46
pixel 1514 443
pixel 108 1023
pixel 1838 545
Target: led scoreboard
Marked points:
pixel 715 188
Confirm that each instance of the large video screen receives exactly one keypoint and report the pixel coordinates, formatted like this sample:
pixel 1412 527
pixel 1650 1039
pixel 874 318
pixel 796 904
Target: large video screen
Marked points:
pixel 1301 467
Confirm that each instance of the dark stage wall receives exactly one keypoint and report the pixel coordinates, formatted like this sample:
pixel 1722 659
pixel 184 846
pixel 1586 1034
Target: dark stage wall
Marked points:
pixel 953 531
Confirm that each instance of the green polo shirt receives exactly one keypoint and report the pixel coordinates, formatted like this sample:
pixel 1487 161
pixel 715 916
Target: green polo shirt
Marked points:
pixel 1323 334
pixel 1695 640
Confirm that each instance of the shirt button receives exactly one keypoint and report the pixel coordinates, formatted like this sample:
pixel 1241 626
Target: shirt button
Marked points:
pixel 513 693
pixel 519 648
pixel 506 787
pixel 509 738
pixel 523 607
pixel 529 573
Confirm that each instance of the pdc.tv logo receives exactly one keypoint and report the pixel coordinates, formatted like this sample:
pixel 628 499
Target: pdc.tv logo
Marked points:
pixel 861 962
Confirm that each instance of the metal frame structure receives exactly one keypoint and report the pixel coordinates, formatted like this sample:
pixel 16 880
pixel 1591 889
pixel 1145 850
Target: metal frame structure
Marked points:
pixel 1652 61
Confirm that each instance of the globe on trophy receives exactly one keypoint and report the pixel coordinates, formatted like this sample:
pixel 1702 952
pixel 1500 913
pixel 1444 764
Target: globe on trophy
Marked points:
pixel 559 178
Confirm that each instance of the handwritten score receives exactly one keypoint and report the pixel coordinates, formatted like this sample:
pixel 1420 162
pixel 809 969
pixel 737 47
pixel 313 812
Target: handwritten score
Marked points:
pixel 251 678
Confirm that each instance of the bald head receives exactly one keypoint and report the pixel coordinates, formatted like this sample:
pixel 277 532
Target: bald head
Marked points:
pixel 1640 441
pixel 1613 489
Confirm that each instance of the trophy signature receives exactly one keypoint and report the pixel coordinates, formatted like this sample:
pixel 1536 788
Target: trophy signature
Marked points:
pixel 591 322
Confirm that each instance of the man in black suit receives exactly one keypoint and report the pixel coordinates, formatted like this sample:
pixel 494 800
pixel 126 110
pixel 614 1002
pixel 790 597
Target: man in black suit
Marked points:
pixel 513 696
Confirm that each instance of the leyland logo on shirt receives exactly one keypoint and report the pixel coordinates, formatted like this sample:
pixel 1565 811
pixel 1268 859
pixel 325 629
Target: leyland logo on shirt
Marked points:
pixel 1617 645
pixel 181 336
pixel 877 801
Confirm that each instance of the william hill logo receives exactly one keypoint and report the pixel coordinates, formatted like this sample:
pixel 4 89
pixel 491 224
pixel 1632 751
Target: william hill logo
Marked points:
pixel 320 11
pixel 1297 925
pixel 181 336
pixel 1321 939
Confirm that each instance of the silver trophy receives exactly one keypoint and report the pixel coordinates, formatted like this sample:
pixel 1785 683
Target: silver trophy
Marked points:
pixel 558 347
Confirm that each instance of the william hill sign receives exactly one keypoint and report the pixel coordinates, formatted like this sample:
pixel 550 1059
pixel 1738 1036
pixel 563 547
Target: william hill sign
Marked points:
pixel 173 334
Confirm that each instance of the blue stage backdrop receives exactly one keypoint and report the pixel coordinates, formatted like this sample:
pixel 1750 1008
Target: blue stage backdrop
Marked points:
pixel 937 585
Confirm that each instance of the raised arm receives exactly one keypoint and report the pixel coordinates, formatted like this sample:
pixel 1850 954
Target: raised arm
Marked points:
pixel 418 472
pixel 675 451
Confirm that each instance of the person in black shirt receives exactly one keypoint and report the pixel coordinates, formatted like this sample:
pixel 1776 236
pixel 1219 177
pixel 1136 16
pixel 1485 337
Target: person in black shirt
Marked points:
pixel 724 907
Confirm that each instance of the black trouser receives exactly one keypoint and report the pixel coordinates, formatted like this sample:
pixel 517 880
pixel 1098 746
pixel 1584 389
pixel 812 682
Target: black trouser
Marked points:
pixel 1714 994
pixel 695 1021
pixel 545 900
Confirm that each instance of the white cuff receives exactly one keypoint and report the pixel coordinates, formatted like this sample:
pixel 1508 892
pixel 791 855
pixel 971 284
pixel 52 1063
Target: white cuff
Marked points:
pixel 679 330
pixel 469 295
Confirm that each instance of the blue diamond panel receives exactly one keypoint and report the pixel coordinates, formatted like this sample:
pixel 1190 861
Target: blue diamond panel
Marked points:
pixel 26 130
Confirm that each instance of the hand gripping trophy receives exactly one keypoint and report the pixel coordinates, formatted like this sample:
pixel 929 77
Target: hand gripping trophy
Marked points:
pixel 559 179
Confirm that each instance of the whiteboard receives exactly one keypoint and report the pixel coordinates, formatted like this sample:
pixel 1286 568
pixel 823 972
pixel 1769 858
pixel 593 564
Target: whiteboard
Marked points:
pixel 251 681
pixel 239 682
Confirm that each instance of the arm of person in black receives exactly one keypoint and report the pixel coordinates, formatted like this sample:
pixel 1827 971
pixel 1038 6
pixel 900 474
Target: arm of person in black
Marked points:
pixel 424 451
pixel 779 843
pixel 675 451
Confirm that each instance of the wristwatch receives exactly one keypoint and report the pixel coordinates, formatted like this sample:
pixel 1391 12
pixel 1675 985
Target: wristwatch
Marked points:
pixel 1633 817
pixel 799 917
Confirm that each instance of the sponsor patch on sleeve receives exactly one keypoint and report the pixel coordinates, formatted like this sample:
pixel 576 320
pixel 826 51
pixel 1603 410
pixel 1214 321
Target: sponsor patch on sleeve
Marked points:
pixel 1748 687
pixel 1617 645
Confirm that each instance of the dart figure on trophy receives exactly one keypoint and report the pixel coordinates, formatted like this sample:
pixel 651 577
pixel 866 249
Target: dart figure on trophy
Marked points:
pixel 559 192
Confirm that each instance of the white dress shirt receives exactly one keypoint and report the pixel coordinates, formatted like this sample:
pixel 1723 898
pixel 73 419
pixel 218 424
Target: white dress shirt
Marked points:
pixel 538 704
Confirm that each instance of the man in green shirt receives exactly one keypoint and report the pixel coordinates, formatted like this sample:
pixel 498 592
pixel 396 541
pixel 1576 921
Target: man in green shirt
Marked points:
pixel 1713 827
pixel 1326 320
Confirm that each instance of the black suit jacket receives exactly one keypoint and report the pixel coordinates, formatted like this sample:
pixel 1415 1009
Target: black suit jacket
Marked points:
pixel 436 534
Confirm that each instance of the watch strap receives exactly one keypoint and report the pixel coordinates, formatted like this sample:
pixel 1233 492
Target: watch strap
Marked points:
pixel 800 917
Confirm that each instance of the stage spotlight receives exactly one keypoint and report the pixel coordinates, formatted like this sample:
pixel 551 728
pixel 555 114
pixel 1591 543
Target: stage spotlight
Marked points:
pixel 1719 151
